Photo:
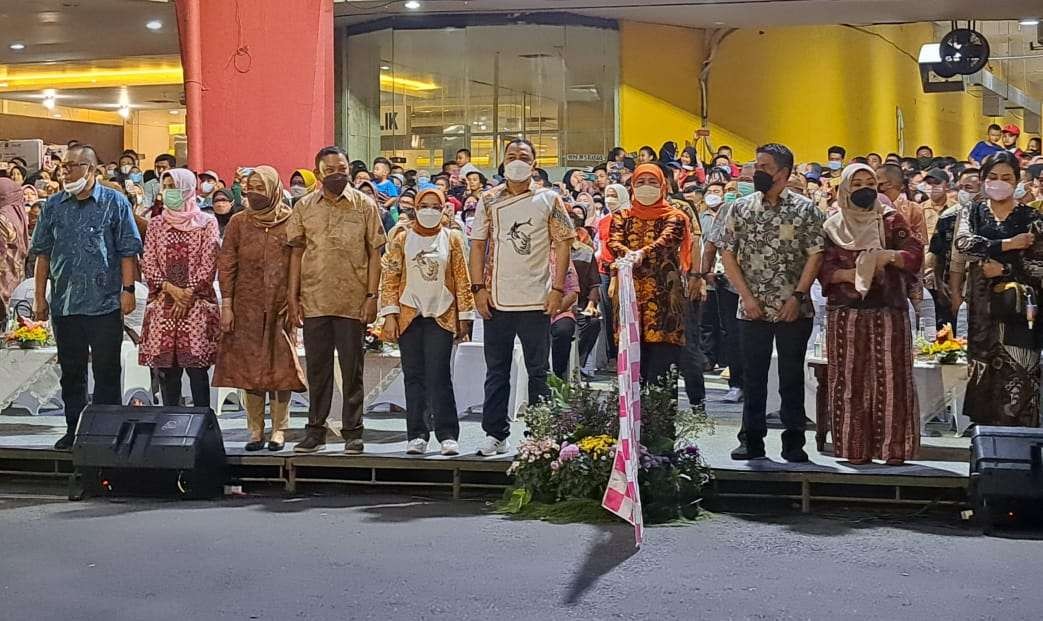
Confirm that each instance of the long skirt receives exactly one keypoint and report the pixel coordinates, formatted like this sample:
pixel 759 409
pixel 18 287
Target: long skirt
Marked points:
pixel 1003 384
pixel 872 398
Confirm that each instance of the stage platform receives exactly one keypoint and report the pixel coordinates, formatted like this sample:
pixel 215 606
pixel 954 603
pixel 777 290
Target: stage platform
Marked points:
pixel 939 477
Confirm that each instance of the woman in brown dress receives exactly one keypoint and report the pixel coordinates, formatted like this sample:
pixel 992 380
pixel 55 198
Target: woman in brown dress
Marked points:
pixel 257 352
pixel 871 257
pixel 658 238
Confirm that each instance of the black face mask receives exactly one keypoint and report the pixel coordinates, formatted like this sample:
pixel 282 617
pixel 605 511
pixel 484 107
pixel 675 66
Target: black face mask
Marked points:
pixel 335 183
pixel 924 162
pixel 864 198
pixel 762 181
pixel 258 201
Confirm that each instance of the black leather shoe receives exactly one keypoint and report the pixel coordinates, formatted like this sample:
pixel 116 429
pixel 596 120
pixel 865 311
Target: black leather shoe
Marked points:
pixel 275 446
pixel 795 455
pixel 256 445
pixel 748 450
pixel 65 442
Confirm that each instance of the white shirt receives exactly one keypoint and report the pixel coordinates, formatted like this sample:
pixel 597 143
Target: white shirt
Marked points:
pixel 426 263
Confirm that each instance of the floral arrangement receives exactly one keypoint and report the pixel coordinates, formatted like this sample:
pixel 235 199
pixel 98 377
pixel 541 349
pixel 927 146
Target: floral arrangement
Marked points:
pixel 373 341
pixel 29 333
pixel 945 348
pixel 562 467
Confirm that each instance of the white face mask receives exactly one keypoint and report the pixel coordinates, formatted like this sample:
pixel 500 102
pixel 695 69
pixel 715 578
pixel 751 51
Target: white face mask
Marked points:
pixel 517 171
pixel 298 191
pixel 207 187
pixel 428 217
pixel 713 201
pixel 964 197
pixel 923 187
pixel 612 203
pixel 75 187
pixel 125 169
pixel 647 194
pixel 1020 192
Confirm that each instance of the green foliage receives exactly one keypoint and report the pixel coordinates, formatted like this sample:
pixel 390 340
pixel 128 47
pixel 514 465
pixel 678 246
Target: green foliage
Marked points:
pixel 584 477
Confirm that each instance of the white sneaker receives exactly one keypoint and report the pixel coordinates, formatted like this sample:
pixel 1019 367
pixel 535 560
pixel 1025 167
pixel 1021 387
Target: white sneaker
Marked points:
pixel 450 447
pixel 491 446
pixel 416 446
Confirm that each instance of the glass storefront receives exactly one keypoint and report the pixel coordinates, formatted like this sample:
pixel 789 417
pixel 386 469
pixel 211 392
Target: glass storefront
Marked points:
pixel 419 95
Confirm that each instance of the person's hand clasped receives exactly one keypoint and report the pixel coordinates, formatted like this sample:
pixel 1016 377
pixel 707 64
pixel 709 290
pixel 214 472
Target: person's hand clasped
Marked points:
pixel 389 332
pixel 1022 241
pixel 790 310
pixel 752 308
pixel 553 304
pixel 992 269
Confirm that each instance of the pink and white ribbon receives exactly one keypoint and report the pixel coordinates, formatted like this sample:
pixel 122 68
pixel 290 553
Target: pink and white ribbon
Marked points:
pixel 622 496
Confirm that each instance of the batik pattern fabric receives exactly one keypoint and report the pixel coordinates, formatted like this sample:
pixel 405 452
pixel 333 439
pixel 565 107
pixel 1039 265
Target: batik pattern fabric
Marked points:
pixel 658 281
pixel 1002 356
pixel 188 260
pixel 771 245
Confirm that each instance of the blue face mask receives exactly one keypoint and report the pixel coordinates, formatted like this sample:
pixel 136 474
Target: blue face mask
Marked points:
pixel 745 188
pixel 835 165
pixel 730 197
pixel 136 177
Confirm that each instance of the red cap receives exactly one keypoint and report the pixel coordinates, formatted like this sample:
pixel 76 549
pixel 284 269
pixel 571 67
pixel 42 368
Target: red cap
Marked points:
pixel 1012 129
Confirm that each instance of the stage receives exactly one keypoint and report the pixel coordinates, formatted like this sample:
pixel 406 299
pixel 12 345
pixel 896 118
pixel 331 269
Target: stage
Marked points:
pixel 938 477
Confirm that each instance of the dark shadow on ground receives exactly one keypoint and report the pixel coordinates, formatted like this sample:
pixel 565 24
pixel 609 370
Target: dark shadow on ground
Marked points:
pixel 613 545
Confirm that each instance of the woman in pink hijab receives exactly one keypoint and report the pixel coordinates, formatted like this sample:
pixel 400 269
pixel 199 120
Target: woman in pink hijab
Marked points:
pixel 182 319
pixel 14 239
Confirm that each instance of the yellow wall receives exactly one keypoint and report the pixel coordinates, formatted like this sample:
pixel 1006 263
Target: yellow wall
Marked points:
pixel 148 132
pixel 807 87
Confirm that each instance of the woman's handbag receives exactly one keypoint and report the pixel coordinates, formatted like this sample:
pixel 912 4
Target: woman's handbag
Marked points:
pixel 1010 301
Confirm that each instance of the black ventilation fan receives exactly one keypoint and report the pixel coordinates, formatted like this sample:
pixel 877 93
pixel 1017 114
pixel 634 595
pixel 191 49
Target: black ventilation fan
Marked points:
pixel 963 51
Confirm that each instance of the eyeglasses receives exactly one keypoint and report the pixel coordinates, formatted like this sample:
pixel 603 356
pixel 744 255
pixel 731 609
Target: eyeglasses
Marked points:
pixel 66 168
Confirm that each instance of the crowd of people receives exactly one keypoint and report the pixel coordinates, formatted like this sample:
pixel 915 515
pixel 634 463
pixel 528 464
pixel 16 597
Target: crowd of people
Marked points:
pixel 732 261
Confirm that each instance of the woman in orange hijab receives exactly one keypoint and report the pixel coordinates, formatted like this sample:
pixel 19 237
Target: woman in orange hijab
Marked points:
pixel 659 238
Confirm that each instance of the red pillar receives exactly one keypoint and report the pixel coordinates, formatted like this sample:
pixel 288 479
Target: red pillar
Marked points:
pixel 258 82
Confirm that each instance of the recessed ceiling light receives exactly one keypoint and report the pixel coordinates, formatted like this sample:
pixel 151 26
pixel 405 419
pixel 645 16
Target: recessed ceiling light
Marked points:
pixel 1029 22
pixel 17 46
pixel 3 84
pixel 174 111
pixel 154 25
pixel 56 115
pixel 385 67
pixel 412 5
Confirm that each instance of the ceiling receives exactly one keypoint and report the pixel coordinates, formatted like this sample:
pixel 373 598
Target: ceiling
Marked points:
pixel 713 13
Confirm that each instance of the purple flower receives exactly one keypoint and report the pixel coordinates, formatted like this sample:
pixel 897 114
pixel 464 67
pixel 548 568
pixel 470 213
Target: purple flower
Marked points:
pixel 568 452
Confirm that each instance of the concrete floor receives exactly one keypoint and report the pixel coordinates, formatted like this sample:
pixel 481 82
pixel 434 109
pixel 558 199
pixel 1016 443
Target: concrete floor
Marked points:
pixel 401 557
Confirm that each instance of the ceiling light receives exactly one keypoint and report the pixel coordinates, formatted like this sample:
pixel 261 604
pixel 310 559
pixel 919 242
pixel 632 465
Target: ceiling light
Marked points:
pixel 56 115
pixel 154 25
pixel 412 5
pixel 124 111
pixel 1029 22
pixel 174 111
pixel 17 46
pixel 48 102
pixel 385 67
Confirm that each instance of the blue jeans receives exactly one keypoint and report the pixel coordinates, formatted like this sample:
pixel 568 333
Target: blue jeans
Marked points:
pixel 533 330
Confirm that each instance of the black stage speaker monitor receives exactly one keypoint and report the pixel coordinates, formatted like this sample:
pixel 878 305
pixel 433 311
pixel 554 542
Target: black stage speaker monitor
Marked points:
pixel 1006 474
pixel 150 451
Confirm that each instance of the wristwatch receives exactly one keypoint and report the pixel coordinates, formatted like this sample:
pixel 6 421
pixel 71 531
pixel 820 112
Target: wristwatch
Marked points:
pixel 476 288
pixel 128 288
pixel 800 295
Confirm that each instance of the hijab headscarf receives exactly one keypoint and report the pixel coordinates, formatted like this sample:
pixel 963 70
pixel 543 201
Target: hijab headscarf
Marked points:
pixel 278 211
pixel 567 180
pixel 446 219
pixel 622 193
pixel 190 218
pixel 856 229
pixel 308 176
pixel 668 152
pixel 663 209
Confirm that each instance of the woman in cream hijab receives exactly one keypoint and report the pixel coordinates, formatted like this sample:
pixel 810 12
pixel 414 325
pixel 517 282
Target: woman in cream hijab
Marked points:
pixel 871 257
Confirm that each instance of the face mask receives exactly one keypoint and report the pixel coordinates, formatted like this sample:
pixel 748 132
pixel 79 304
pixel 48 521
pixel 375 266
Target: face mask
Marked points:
pixel 335 183
pixel 835 165
pixel 998 190
pixel 924 162
pixel 964 197
pixel 612 203
pixel 207 187
pixel 423 180
pixel 1020 192
pixel 136 177
pixel 75 187
pixel 864 198
pixel 647 194
pixel 745 188
pixel 298 191
pixel 110 174
pixel 923 187
pixel 762 181
pixel 173 200
pixel 258 201
pixel 125 169
pixel 517 171
pixel 687 167
pixel 713 201
pixel 730 197
pixel 725 169
pixel 429 218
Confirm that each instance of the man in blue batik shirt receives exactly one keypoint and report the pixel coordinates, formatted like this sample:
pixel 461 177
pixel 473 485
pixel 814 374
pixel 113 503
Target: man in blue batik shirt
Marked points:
pixel 87 244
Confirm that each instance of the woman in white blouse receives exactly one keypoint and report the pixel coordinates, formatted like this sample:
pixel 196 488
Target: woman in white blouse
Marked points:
pixel 426 302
